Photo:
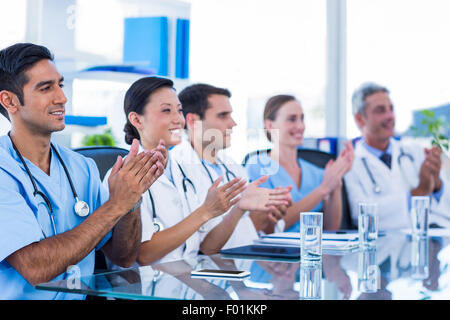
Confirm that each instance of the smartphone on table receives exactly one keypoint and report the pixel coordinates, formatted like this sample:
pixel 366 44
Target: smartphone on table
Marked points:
pixel 213 273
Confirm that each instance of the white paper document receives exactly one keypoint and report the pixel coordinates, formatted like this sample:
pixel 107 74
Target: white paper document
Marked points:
pixel 330 241
pixel 432 232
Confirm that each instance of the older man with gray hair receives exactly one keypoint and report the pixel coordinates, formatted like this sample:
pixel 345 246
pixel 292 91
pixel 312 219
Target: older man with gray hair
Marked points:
pixel 389 172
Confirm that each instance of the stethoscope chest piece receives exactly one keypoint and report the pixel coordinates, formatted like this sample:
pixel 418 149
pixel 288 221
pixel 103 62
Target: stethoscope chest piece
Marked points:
pixel 81 208
pixel 157 225
pixel 376 186
pixel 377 189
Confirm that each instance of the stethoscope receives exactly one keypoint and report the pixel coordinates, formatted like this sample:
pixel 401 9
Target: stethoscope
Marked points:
pixel 157 274
pixel 81 208
pixel 404 154
pixel 376 186
pixel 228 173
pixel 157 225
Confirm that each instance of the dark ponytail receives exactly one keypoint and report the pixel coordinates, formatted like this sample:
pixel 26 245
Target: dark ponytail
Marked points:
pixel 137 97
pixel 130 133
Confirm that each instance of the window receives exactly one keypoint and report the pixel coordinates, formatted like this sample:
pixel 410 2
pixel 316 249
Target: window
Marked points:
pixel 260 48
pixel 13 22
pixel 402 45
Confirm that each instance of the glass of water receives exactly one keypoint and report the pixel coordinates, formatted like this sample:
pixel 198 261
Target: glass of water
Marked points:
pixel 368 270
pixel 310 282
pixel 311 237
pixel 367 224
pixel 420 207
pixel 420 258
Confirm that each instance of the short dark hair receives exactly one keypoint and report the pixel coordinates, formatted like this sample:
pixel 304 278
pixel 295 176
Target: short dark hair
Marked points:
pixel 15 60
pixel 194 98
pixel 137 97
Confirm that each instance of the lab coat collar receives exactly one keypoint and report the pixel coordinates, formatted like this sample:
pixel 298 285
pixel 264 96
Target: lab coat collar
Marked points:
pixel 362 151
pixel 186 153
pixel 377 152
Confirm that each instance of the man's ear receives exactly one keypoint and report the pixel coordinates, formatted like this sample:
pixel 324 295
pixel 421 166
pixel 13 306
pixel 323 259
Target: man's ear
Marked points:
pixel 190 120
pixel 9 101
pixel 360 120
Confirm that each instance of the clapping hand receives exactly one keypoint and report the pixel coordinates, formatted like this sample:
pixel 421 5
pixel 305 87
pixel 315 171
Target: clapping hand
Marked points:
pixel 266 220
pixel 263 199
pixel 429 180
pixel 345 158
pixel 336 169
pixel 433 163
pixel 220 199
pixel 131 177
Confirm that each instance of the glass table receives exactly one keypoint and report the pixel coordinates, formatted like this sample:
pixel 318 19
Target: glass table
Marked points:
pixel 399 267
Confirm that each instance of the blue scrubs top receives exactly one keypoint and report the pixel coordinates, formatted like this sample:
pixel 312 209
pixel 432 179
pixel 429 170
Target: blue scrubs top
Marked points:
pixel 217 168
pixel 22 215
pixel 311 177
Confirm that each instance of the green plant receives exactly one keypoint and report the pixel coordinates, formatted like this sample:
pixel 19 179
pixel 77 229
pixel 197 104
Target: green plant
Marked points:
pixel 105 139
pixel 434 127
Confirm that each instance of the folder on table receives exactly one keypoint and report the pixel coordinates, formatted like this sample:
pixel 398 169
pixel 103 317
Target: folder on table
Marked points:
pixel 330 241
pixel 265 251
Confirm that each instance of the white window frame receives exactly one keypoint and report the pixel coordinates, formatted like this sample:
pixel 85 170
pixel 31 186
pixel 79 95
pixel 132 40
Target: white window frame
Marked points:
pixel 336 82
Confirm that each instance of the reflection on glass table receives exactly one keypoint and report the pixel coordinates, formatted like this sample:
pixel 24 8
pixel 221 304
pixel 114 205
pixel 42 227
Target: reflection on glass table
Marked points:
pixel 388 271
pixel 401 267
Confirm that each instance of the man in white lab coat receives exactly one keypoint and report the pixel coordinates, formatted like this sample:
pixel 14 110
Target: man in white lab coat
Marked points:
pixel 207 110
pixel 389 172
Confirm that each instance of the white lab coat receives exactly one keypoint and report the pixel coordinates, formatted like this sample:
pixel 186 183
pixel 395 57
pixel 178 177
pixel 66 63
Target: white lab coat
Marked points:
pixel 5 125
pixel 395 184
pixel 171 208
pixel 244 232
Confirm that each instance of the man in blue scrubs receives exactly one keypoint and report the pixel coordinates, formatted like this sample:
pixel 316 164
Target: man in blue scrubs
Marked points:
pixel 42 233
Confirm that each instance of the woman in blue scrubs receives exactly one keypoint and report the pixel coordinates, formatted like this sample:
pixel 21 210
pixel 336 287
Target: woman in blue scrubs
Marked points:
pixel 313 188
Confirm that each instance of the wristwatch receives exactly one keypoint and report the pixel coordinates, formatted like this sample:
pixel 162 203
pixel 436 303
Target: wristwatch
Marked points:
pixel 137 205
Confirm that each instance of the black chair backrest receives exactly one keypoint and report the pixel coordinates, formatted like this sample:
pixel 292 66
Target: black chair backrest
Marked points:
pixel 104 157
pixel 320 159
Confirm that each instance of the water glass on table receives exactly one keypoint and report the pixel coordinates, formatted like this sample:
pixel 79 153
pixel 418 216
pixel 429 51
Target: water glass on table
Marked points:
pixel 420 208
pixel 368 271
pixel 420 258
pixel 310 282
pixel 367 224
pixel 311 238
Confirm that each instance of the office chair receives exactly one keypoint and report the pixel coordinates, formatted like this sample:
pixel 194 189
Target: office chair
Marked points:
pixel 320 159
pixel 104 157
